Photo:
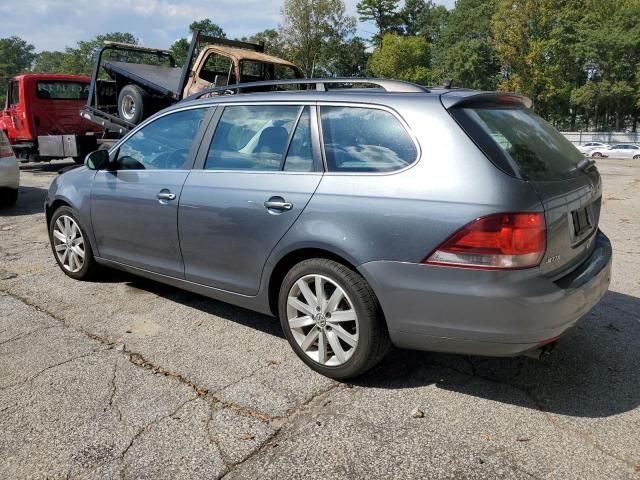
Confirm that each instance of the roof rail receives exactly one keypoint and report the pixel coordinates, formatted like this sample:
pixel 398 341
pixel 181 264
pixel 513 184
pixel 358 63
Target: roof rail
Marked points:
pixel 319 83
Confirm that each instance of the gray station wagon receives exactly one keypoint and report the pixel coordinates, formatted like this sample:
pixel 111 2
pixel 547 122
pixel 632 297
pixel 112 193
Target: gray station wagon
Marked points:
pixel 434 219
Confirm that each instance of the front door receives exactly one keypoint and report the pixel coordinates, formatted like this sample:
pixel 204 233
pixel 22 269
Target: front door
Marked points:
pixel 256 178
pixel 134 206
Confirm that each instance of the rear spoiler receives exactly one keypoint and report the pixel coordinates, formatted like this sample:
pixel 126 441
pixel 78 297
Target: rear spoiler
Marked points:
pixel 469 98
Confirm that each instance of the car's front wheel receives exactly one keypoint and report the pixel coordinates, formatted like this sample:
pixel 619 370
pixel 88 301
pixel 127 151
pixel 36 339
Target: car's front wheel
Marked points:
pixel 70 245
pixel 332 318
pixel 596 155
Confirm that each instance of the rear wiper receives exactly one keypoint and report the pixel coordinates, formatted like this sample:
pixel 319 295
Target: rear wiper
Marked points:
pixel 585 164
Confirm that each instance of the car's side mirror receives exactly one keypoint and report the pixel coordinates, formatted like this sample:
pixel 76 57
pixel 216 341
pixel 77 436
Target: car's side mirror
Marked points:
pixel 98 160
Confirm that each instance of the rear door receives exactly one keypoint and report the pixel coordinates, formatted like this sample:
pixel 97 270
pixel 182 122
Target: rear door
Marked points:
pixel 256 172
pixel 524 145
pixel 134 206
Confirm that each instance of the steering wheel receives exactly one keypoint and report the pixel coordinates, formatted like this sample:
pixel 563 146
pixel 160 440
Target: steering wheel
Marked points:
pixel 172 160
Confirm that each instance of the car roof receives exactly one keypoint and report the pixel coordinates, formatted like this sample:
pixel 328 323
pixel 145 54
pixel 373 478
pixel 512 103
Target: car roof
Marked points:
pixel 54 76
pixel 244 54
pixel 387 92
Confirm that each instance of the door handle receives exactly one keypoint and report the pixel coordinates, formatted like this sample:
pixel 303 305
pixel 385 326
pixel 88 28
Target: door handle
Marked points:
pixel 166 195
pixel 277 203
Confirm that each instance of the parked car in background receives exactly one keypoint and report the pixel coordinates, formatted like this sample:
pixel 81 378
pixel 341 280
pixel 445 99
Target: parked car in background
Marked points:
pixel 433 219
pixel 9 173
pixel 621 150
pixel 589 146
pixel 41 117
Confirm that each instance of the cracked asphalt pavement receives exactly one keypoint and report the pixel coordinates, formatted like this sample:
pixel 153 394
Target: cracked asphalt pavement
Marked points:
pixel 127 378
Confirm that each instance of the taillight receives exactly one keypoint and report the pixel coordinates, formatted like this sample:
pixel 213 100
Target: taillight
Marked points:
pixel 500 241
pixel 5 147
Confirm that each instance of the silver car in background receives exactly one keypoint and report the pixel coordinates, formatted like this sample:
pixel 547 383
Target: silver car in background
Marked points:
pixel 620 150
pixel 9 173
pixel 434 219
pixel 588 147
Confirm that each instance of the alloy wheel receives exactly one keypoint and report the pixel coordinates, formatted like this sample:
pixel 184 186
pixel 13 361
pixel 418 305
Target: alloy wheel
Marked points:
pixel 322 320
pixel 128 107
pixel 68 243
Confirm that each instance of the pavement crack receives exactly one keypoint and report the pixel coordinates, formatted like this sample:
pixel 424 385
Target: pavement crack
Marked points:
pixel 538 405
pixel 50 367
pixel 146 428
pixel 114 387
pixel 26 334
pixel 299 411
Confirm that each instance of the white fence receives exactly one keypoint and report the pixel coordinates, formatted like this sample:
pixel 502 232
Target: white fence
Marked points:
pixel 578 138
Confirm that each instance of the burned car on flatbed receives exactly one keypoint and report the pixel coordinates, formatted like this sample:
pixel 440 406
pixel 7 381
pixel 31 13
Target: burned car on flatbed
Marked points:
pixel 131 82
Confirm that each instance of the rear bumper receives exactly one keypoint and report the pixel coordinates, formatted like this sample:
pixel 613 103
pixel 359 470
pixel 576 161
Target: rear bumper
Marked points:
pixel 483 312
pixel 9 173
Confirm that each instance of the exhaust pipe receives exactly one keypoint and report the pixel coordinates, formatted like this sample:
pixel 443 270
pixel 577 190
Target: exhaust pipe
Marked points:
pixel 540 352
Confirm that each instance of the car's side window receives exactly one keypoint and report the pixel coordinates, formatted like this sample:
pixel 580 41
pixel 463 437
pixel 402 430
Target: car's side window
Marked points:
pixel 300 154
pixel 163 144
pixel 15 93
pixel 358 139
pixel 256 137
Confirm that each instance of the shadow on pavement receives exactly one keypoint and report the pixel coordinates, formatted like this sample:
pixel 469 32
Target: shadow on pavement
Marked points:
pixel 45 167
pixel 593 372
pixel 248 318
pixel 30 201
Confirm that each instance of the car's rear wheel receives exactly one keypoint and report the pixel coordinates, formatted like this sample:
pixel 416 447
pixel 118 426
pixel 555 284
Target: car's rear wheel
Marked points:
pixel 332 318
pixel 70 245
pixel 132 103
pixel 596 155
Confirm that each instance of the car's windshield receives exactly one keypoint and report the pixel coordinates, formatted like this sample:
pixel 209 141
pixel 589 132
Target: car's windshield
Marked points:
pixel 538 150
pixel 62 90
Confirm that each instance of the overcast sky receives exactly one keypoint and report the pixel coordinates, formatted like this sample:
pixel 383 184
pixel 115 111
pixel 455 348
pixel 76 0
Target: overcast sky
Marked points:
pixel 55 24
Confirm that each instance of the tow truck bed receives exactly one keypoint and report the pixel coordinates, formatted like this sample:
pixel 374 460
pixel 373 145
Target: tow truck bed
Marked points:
pixel 164 80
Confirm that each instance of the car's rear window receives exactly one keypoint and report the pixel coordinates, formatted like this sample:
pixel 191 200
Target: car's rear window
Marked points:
pixel 360 140
pixel 62 90
pixel 520 138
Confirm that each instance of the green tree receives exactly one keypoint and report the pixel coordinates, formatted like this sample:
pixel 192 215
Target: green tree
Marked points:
pixel 80 60
pixel 16 56
pixel 463 51
pixel 207 27
pixel 384 13
pixel 424 18
pixel 273 42
pixel 310 26
pixel 345 58
pixel 404 58
pixel 180 48
pixel 50 62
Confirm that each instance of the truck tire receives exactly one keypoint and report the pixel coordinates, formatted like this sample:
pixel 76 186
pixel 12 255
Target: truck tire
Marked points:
pixel 132 101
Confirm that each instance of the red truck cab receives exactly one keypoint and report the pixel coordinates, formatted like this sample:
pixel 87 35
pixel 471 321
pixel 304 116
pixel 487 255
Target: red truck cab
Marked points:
pixel 42 118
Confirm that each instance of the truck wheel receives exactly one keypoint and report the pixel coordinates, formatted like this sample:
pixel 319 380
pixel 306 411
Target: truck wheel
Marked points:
pixel 131 103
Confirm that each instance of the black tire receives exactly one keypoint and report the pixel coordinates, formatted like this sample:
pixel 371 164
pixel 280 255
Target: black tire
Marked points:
pixel 89 268
pixel 596 155
pixel 636 157
pixel 373 338
pixel 8 197
pixel 132 103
